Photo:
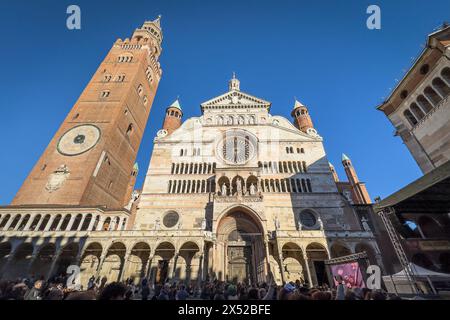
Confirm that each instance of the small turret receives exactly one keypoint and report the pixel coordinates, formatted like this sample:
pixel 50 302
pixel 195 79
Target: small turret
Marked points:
pixel 333 172
pixel 360 194
pixel 302 120
pixel 172 121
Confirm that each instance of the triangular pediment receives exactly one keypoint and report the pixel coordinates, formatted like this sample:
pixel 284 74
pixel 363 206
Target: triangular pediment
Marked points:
pixel 235 99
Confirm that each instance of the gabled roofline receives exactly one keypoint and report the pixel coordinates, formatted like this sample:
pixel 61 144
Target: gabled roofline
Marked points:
pixel 262 103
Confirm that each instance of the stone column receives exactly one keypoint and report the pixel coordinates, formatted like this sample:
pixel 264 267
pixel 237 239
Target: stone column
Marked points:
pixel 266 248
pixel 39 223
pixel 19 222
pixel 100 223
pixel 305 257
pixel 33 259
pixel 280 257
pixel 285 186
pixel 100 263
pixel 175 258
pixel 119 227
pixel 6 227
pixel 83 218
pixel 30 221
pixel 125 264
pixel 91 224
pixel 112 225
pixel 70 224
pixel 58 227
pixel 53 265
pixel 50 222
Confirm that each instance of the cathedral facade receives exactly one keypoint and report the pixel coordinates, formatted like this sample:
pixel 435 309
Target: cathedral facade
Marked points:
pixel 234 194
pixel 238 192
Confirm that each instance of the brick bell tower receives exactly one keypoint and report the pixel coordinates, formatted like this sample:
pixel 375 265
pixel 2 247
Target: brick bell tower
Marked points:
pixel 302 120
pixel 172 121
pixel 89 161
pixel 359 191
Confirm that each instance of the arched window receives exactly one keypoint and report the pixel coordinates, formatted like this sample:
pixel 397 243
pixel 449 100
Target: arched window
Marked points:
pixel 445 73
pixel 409 116
pixel 107 77
pixel 299 187
pixel 302 150
pixel 432 95
pixel 65 222
pixel 130 129
pixel 125 58
pixel 55 222
pixel 304 185
pixel 106 224
pixel 140 90
pixel 5 221
pixel 120 78
pixel 424 103
pixel 44 222
pixel 24 222
pixel 308 183
pixel 148 74
pixel 305 169
pixel 35 222
pixel 441 87
pixel 76 222
pixel 15 222
pixel 105 94
pixel 86 222
pixel 418 113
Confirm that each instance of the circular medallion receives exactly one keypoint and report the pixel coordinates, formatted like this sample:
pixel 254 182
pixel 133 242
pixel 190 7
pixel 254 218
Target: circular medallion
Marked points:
pixel 78 140
pixel 237 147
pixel 171 219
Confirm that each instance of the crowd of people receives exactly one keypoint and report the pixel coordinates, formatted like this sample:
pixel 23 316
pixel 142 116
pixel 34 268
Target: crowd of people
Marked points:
pixel 98 289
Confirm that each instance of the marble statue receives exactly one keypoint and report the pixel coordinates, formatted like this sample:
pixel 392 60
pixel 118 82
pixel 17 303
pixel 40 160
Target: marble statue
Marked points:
pixel 252 189
pixel 365 225
pixel 224 189
pixel 239 186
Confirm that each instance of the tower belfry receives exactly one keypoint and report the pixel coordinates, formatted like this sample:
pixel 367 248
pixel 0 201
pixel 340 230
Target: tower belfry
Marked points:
pixel 89 161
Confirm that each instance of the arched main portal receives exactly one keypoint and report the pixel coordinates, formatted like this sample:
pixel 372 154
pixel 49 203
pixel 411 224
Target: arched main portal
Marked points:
pixel 240 247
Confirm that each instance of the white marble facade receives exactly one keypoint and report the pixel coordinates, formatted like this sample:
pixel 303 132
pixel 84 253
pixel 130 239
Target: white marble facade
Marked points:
pixel 239 177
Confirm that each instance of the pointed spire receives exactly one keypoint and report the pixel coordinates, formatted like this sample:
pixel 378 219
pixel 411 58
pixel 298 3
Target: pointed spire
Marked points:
pixel 157 21
pixel 136 167
pixel 176 104
pixel 345 158
pixel 331 165
pixel 298 104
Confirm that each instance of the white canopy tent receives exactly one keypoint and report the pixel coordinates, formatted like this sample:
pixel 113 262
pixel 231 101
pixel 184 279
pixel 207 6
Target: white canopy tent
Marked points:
pixel 399 282
pixel 418 271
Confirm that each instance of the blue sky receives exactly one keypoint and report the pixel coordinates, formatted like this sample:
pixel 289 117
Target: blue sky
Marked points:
pixel 319 51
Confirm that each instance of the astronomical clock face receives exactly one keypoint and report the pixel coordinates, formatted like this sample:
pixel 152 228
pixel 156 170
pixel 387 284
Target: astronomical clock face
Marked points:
pixel 237 147
pixel 78 140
